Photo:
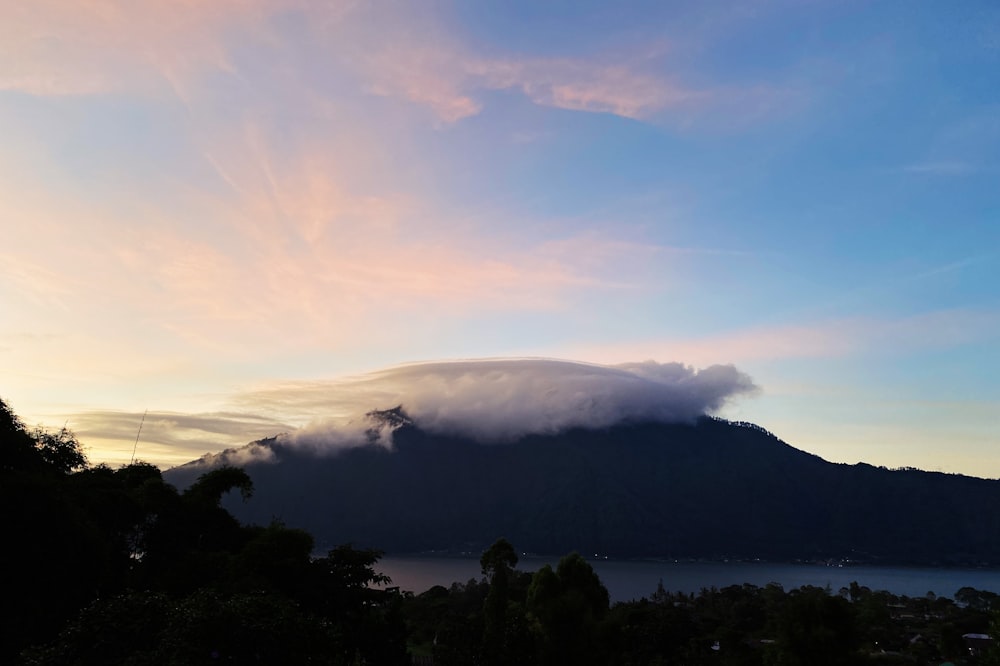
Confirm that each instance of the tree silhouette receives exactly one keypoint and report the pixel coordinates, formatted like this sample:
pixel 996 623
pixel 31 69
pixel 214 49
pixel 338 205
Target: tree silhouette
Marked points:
pixel 568 606
pixel 498 562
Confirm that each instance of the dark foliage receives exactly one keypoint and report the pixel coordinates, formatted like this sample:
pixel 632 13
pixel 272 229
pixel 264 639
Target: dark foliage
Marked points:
pixel 498 564
pixel 117 567
pixel 561 616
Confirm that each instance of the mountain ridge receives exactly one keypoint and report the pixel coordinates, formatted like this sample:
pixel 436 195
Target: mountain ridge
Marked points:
pixel 708 489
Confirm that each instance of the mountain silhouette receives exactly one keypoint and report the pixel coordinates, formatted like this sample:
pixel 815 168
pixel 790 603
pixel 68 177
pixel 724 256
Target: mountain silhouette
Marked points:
pixel 708 489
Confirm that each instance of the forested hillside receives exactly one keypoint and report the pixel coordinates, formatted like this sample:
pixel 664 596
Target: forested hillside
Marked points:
pixel 706 489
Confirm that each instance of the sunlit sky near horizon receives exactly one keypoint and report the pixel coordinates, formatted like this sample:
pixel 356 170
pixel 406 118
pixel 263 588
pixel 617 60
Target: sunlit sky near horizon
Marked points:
pixel 208 208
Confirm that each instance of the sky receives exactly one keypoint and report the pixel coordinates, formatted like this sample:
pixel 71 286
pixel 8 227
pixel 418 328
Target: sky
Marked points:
pixel 214 213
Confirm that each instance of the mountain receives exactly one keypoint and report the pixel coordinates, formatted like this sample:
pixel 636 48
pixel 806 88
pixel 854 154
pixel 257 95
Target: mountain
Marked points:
pixel 707 489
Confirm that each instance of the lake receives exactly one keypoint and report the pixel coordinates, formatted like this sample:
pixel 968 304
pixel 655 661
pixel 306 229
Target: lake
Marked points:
pixel 633 579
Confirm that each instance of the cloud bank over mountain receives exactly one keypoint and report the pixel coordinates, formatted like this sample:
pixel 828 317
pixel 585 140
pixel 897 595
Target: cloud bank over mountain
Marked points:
pixel 496 401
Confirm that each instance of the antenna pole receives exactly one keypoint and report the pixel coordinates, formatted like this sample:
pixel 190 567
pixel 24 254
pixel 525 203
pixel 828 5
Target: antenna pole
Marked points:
pixel 136 445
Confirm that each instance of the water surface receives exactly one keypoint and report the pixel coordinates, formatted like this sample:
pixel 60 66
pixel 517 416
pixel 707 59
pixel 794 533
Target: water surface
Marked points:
pixel 630 579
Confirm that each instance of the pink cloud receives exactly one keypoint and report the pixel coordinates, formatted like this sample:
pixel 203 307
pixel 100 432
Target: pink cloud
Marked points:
pixel 593 86
pixel 60 47
pixel 445 78
pixel 73 47
pixel 428 76
pixel 837 338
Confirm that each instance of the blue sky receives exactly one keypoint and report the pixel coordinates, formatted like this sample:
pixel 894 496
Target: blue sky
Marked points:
pixel 203 203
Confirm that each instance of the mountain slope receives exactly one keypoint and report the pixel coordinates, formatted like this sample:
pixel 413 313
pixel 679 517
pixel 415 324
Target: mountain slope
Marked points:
pixel 708 489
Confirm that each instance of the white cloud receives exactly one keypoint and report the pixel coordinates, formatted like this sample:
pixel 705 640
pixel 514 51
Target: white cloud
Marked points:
pixel 499 400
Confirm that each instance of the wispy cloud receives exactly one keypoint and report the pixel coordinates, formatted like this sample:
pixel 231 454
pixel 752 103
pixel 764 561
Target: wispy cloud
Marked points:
pixel 168 437
pixel 54 47
pixel 952 267
pixel 954 168
pixel 298 243
pixel 827 339
pixel 447 79
pixel 59 47
pixel 594 86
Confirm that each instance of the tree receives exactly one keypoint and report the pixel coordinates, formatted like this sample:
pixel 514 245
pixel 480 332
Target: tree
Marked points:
pixel 976 599
pixel 37 451
pixel 991 655
pixel 211 486
pixel 275 558
pixel 498 562
pixel 345 588
pixel 567 606
pixel 60 451
pixel 814 629
pixel 192 539
pixel 17 451
pixel 46 524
